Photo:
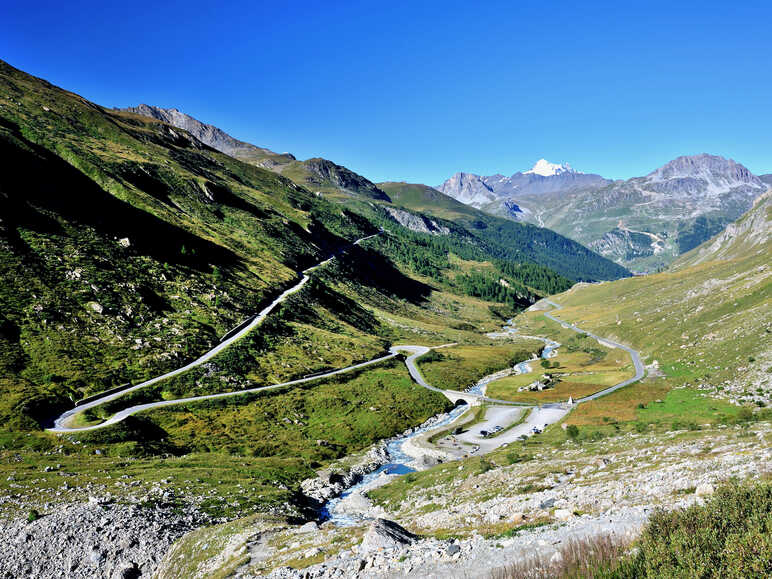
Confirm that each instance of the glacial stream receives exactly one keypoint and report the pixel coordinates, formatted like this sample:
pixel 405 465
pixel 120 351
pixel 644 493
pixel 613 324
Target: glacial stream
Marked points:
pixel 401 463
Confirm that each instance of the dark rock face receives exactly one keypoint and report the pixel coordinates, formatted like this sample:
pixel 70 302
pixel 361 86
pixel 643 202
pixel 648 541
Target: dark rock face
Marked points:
pixel 384 534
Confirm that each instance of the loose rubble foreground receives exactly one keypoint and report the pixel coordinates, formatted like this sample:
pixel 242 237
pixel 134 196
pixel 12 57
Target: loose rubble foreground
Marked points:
pixel 95 539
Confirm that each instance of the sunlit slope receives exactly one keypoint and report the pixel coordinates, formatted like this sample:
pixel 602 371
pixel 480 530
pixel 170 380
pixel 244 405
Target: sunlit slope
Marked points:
pixel 707 321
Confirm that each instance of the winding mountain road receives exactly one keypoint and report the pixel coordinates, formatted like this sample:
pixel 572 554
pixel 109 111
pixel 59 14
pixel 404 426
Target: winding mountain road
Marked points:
pixel 636 357
pixel 453 395
pixel 61 423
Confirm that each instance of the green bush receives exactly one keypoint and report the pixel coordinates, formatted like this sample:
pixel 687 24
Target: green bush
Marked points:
pixel 572 430
pixel 513 457
pixel 729 536
pixel 33 516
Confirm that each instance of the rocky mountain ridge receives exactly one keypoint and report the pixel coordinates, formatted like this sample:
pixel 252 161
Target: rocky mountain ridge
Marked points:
pixel 315 173
pixel 498 194
pixel 210 135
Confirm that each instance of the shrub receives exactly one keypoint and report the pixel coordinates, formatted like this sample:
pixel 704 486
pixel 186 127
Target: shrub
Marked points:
pixel 572 430
pixel 33 516
pixel 745 414
pixel 514 457
pixel 730 536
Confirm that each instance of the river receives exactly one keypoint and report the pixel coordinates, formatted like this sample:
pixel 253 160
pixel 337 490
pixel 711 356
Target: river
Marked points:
pixel 401 463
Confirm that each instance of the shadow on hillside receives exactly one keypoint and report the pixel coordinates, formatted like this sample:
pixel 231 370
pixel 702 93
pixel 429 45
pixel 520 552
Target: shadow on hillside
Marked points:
pixel 377 272
pixel 37 187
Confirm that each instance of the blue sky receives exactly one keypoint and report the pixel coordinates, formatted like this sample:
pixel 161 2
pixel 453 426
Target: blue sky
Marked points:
pixel 416 91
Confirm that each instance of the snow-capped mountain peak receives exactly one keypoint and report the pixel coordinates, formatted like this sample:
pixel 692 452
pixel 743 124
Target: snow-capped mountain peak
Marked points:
pixel 547 169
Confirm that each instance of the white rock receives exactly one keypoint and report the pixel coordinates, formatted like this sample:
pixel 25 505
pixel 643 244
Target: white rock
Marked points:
pixel 704 490
pixel 563 514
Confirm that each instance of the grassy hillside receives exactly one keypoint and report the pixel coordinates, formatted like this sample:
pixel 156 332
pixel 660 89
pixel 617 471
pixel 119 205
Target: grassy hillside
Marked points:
pixel 128 247
pixel 703 327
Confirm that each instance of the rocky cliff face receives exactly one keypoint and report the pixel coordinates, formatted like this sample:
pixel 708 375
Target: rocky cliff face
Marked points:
pixel 626 243
pixel 468 188
pixel 417 223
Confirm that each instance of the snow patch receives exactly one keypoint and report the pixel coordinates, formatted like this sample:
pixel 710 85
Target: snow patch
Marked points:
pixel 547 169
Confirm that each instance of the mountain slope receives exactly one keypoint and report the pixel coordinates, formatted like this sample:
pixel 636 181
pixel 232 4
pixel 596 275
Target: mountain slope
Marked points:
pixel 743 239
pixel 702 325
pixel 128 246
pixel 213 136
pixel 507 239
pixel 317 174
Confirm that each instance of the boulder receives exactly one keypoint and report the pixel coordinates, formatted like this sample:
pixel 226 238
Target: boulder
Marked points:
pixel 384 534
pixel 547 503
pixel 309 527
pixel 127 571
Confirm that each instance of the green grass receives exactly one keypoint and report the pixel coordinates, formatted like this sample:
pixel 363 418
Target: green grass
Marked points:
pixel 458 367
pixel 684 405
pixel 239 456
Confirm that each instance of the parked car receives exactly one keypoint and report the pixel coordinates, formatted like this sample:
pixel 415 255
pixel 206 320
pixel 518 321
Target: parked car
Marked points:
pixel 484 433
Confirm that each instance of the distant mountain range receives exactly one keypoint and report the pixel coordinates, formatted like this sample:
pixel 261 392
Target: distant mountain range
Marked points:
pixel 497 193
pixel 642 223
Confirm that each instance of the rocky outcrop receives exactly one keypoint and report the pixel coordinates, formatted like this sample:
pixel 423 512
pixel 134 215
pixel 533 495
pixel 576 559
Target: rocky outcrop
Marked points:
pixel 468 188
pixel 386 535
pixel 417 223
pixel 332 482
pixel 624 244
pixel 343 178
